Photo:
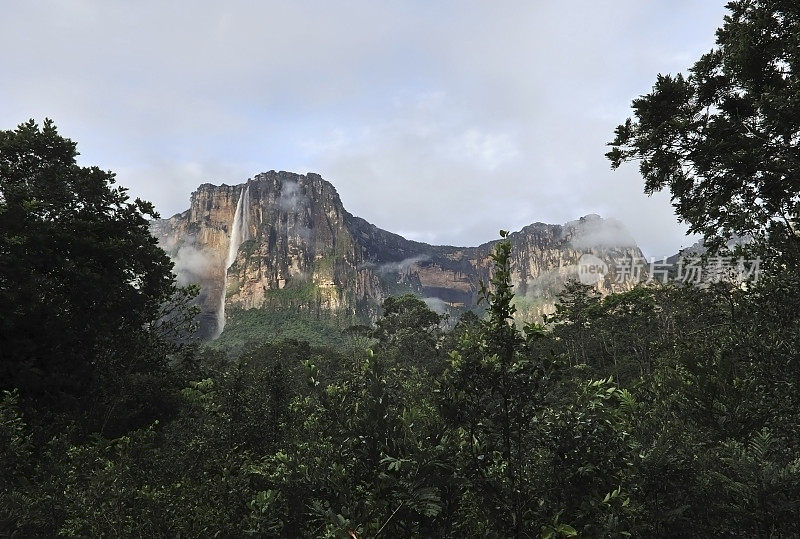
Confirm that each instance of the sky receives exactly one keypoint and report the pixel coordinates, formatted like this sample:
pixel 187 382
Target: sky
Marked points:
pixel 443 121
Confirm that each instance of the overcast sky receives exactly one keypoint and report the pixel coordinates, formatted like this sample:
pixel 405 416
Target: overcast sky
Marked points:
pixel 442 121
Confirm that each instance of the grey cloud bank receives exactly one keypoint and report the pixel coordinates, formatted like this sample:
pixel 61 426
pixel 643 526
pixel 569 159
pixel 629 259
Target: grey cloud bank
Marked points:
pixel 445 121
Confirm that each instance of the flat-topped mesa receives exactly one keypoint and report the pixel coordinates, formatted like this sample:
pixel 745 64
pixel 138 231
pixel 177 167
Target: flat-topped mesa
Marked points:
pixel 296 248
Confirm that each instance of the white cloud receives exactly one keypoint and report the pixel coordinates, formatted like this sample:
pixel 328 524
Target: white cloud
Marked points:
pixel 448 120
pixel 437 305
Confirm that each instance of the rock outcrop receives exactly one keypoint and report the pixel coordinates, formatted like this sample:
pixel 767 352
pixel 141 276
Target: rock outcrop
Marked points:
pixel 301 250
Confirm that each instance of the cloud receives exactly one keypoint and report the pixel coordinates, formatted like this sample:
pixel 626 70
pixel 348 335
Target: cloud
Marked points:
pixel 304 233
pixel 291 196
pixel 447 120
pixel 292 199
pixel 400 267
pixel 191 264
pixel 173 181
pixel 437 305
pixel 592 231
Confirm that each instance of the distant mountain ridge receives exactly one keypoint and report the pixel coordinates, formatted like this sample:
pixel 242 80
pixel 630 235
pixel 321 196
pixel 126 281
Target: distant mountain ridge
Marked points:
pixel 293 247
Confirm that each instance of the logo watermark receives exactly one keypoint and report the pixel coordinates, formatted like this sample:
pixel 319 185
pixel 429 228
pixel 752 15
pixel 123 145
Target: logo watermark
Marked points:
pixel 689 270
pixel 591 269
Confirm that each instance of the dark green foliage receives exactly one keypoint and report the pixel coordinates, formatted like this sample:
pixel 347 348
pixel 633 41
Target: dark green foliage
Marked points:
pixel 269 325
pixel 518 433
pixel 662 411
pixel 410 332
pixel 536 450
pixel 724 139
pixel 83 286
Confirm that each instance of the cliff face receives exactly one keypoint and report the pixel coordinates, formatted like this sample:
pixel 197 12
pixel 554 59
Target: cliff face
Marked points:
pixel 298 252
pixel 296 247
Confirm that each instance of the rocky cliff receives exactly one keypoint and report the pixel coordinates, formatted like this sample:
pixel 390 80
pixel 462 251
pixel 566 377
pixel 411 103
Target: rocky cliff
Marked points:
pixel 283 241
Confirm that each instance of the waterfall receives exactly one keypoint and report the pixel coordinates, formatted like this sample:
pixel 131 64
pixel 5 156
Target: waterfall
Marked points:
pixel 240 232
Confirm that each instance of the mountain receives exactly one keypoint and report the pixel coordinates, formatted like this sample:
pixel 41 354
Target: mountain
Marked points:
pixel 283 243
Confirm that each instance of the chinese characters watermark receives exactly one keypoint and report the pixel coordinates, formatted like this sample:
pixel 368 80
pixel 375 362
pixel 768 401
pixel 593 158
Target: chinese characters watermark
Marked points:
pixel 688 270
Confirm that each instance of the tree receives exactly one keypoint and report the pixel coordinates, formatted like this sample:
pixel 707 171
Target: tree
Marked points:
pixel 409 330
pixel 489 393
pixel 82 281
pixel 577 307
pixel 537 448
pixel 724 139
